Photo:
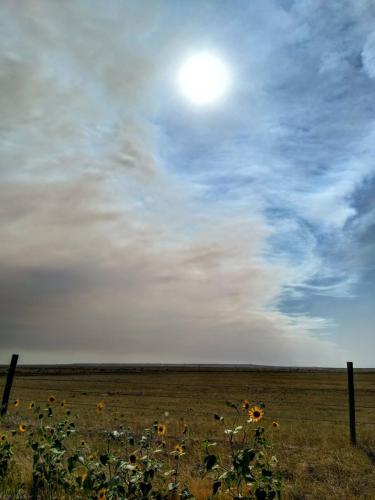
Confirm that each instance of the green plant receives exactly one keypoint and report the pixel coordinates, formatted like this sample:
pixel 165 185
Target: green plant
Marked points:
pixel 49 452
pixel 6 453
pixel 130 468
pixel 139 466
pixel 249 470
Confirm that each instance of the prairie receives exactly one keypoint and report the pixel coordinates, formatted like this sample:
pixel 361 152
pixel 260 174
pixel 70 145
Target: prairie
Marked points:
pixel 311 444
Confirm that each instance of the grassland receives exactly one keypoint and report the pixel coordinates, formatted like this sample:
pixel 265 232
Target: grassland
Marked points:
pixel 312 443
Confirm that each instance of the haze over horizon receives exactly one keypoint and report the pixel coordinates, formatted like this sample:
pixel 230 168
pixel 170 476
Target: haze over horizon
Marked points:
pixel 139 227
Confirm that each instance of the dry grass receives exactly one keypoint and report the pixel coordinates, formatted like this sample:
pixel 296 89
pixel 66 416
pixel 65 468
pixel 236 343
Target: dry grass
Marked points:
pixel 312 442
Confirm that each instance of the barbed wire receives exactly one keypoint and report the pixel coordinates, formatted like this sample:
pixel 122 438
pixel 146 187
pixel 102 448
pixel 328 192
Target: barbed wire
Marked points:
pixel 120 394
pixel 236 386
pixel 209 393
pixel 191 412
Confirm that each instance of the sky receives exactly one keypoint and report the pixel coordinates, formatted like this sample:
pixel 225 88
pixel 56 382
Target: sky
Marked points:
pixel 136 226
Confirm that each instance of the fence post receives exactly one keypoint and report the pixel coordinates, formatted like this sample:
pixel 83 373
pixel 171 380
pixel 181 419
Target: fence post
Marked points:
pixel 353 436
pixel 8 384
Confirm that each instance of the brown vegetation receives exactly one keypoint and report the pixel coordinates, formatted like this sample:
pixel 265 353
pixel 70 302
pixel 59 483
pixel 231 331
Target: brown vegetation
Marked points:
pixel 311 443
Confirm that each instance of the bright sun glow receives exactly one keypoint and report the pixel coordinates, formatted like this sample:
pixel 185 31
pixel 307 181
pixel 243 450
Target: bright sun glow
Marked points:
pixel 203 78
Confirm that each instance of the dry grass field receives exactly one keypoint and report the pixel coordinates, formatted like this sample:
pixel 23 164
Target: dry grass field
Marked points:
pixel 311 444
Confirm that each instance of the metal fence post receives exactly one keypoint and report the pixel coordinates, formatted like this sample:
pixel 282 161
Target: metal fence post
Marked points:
pixel 353 436
pixel 8 384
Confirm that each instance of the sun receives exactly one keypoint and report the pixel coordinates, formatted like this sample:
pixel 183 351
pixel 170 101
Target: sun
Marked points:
pixel 203 78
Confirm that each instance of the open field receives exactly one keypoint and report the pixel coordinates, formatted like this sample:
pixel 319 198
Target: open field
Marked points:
pixel 312 443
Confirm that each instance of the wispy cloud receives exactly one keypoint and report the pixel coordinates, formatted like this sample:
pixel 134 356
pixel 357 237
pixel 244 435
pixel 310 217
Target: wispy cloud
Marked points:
pixel 134 228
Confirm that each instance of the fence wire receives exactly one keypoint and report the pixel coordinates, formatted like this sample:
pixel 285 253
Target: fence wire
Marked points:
pixel 111 406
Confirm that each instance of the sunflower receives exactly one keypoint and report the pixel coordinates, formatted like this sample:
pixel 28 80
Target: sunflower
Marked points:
pixel 63 403
pixel 162 429
pixel 100 407
pixel 22 428
pixel 180 449
pixel 132 458
pixel 3 438
pixel 51 399
pixel 245 404
pixel 31 405
pixel 275 424
pixel 255 413
pixel 16 403
pixel 102 494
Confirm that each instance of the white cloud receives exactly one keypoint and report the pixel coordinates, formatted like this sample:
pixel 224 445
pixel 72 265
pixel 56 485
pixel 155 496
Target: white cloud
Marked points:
pixel 368 55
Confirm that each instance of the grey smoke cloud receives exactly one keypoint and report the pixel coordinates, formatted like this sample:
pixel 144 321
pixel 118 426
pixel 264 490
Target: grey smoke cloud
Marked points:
pixel 109 250
pixel 68 283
